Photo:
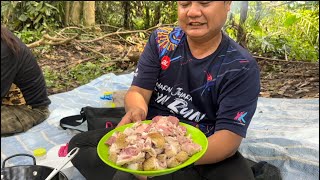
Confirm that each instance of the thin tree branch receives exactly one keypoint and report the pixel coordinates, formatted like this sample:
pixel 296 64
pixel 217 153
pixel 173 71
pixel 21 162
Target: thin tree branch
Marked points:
pixel 281 60
pixel 110 34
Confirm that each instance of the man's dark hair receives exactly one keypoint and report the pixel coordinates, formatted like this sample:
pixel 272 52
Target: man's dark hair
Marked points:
pixel 10 40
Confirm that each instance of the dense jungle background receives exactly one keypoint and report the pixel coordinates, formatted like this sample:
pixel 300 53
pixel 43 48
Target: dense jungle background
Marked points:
pixel 78 41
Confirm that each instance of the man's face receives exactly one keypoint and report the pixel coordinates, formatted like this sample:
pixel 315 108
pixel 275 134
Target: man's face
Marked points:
pixel 202 19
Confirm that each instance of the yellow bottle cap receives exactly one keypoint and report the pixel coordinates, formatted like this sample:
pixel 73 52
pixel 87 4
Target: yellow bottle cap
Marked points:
pixel 39 152
pixel 113 105
pixel 107 93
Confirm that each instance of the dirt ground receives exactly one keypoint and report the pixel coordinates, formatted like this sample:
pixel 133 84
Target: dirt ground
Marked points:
pixel 279 79
pixel 283 79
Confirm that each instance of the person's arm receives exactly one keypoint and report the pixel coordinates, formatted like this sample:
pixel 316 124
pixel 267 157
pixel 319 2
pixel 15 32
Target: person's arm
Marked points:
pixel 8 69
pixel 143 83
pixel 221 145
pixel 136 105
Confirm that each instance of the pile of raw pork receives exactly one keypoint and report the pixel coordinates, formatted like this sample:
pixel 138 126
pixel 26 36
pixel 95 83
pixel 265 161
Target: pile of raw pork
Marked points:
pixel 161 144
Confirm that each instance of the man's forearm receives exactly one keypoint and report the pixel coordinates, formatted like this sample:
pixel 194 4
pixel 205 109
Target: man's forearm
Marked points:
pixel 134 99
pixel 137 97
pixel 222 145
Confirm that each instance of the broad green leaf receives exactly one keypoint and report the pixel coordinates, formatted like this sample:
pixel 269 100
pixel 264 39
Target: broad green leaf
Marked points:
pixel 23 17
pixel 290 20
pixel 4 8
pixel 38 19
pixel 48 12
pixel 52 7
pixel 256 27
pixel 39 6
pixel 14 3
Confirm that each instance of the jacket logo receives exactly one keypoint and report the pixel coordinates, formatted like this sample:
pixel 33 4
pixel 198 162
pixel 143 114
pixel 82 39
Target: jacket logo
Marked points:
pixel 165 62
pixel 209 77
pixel 240 116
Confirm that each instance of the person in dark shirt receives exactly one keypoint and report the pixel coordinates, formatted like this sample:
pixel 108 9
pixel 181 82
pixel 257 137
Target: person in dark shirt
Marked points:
pixel 198 74
pixel 24 99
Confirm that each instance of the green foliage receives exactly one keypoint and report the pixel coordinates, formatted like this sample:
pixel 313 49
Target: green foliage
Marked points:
pixel 169 13
pixel 50 76
pixel 78 75
pixel 84 73
pixel 138 23
pixel 28 36
pixel 30 15
pixel 282 31
pixel 111 12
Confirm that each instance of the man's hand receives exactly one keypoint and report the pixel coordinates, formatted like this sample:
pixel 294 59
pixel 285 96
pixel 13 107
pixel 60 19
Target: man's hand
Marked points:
pixel 133 115
pixel 136 105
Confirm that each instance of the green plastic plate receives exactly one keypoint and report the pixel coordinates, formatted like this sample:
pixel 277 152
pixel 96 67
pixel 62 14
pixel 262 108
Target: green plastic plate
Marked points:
pixel 197 137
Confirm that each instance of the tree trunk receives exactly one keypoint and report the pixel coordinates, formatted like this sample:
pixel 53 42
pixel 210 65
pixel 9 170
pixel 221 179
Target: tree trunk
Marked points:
pixel 89 13
pixel 243 11
pixel 241 35
pixel 126 15
pixel 257 16
pixel 75 13
pixel 67 13
pixel 147 22
pixel 157 14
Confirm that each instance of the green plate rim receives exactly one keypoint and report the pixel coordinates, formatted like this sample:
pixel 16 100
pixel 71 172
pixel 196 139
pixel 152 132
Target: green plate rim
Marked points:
pixel 157 172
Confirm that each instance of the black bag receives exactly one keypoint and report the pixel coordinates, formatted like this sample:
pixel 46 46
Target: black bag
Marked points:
pixel 97 118
pixel 264 171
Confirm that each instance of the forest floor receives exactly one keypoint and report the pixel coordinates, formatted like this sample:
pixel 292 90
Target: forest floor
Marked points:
pixel 279 78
